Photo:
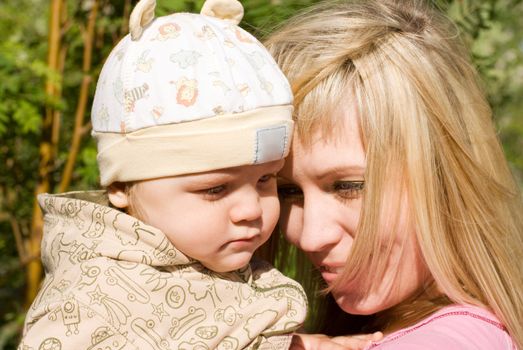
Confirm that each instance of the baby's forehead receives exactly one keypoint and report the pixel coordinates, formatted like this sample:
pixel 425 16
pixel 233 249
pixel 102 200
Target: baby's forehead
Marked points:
pixel 239 171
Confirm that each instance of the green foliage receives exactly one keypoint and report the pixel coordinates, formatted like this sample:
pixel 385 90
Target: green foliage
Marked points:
pixel 87 167
pixel 492 29
pixel 22 72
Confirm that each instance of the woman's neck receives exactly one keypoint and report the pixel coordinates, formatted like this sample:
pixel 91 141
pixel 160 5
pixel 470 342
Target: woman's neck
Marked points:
pixel 411 311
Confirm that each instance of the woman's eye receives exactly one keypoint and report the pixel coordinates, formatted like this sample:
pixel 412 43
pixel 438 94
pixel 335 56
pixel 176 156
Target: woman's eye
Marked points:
pixel 290 192
pixel 348 189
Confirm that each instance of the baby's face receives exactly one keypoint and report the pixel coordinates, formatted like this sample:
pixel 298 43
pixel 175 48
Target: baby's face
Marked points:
pixel 219 217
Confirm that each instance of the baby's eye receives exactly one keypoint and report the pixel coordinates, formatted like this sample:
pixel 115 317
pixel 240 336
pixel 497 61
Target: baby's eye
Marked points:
pixel 290 192
pixel 266 177
pixel 215 192
pixel 348 189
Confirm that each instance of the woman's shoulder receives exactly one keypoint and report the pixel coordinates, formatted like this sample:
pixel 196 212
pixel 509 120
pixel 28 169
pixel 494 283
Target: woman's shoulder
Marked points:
pixel 454 327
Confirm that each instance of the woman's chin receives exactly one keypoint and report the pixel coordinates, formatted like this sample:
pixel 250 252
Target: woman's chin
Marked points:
pixel 356 305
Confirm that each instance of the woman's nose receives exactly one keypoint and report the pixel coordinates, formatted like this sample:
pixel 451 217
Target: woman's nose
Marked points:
pixel 319 231
pixel 247 206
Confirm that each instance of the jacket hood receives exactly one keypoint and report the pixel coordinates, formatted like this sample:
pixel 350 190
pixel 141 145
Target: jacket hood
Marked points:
pixel 114 282
pixel 82 226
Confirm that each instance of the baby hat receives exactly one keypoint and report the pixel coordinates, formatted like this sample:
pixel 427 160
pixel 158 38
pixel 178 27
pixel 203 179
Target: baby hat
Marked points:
pixel 188 93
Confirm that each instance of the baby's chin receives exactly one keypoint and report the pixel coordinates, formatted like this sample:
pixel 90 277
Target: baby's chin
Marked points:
pixel 232 263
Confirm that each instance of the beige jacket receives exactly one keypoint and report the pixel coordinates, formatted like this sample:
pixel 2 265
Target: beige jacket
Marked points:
pixel 113 282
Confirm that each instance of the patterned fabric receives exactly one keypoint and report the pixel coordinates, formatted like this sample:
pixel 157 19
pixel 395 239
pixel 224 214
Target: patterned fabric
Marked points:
pixel 113 282
pixel 185 67
pixel 455 327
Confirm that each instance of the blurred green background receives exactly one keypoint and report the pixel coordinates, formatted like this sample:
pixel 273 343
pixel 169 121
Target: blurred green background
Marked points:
pixel 51 53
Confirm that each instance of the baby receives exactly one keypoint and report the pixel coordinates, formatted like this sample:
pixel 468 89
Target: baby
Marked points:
pixel 192 119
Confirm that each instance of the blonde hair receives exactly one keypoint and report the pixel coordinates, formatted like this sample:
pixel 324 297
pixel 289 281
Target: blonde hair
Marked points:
pixel 423 117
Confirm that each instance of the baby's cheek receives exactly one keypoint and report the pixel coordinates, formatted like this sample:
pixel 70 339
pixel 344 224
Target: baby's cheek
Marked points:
pixel 271 210
pixel 291 224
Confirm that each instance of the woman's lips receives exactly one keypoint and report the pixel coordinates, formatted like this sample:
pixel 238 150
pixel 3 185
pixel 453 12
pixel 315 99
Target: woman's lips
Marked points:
pixel 330 273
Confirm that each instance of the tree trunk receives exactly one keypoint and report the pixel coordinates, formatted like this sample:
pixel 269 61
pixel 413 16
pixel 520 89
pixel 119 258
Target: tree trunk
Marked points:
pixel 47 155
pixel 83 96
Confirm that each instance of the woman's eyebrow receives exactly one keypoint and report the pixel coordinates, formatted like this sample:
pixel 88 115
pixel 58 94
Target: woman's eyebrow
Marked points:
pixel 345 170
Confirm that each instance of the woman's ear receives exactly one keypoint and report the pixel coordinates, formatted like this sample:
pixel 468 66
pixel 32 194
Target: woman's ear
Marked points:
pixel 118 196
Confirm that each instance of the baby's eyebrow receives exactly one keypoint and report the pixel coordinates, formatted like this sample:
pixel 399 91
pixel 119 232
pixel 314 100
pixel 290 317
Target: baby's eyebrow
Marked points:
pixel 211 179
pixel 276 167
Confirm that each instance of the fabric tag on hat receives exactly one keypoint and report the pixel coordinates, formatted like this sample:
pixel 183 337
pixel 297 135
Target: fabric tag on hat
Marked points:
pixel 270 144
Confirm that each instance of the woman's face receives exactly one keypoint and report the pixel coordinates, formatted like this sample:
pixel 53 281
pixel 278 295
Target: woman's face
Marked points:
pixel 321 199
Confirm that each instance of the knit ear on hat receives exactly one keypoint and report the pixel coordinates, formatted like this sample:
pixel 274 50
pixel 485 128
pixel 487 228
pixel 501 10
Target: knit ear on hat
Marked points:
pixel 227 10
pixel 142 15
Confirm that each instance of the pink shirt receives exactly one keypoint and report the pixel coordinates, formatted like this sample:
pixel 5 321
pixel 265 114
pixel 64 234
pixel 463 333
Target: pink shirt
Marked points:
pixel 454 327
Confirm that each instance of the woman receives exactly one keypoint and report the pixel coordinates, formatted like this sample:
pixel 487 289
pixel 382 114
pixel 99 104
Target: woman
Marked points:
pixel 397 188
